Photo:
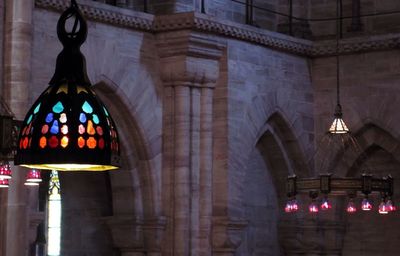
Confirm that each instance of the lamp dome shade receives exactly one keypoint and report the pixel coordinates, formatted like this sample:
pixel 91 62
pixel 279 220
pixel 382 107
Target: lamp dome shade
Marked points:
pixel 68 129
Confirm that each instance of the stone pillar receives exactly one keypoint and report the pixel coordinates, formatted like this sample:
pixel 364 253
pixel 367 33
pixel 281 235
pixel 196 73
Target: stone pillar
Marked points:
pixel 189 68
pixel 227 235
pixel 17 70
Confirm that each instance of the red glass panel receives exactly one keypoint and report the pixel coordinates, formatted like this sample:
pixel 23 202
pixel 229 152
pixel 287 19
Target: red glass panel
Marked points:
pixel 81 129
pixel 90 128
pixel 64 142
pixel 20 143
pixel 91 142
pixel 25 143
pixel 81 142
pixel 43 142
pixel 101 143
pixel 45 129
pixel 24 130
pixel 99 130
pixel 53 142
pixel 28 129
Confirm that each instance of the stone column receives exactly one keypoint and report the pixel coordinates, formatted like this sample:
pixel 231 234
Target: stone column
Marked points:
pixel 189 68
pixel 17 60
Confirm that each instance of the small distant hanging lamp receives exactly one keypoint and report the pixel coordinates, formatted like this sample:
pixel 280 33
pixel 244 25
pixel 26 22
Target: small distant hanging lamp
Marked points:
pixel 34 176
pixel 5 171
pixel 68 128
pixel 338 126
pixel 4 183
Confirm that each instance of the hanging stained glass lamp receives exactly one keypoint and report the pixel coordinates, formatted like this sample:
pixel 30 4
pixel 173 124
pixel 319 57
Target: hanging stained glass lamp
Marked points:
pixel 68 128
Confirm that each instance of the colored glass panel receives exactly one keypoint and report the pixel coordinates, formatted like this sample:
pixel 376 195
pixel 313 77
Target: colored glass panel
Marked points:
pixel 101 143
pixel 63 118
pixel 90 128
pixel 30 142
pixel 64 141
pixel 20 143
pixel 43 142
pixel 28 129
pixel 36 110
pixel 53 142
pixel 29 119
pixel 81 129
pixel 99 130
pixel 64 129
pixel 96 119
pixel 24 130
pixel 105 111
pixel 63 89
pixel 91 142
pixel 58 107
pixel 25 143
pixel 87 108
pixel 81 142
pixel 81 89
pixel 49 117
pixel 45 129
pixel 82 118
pixel 54 128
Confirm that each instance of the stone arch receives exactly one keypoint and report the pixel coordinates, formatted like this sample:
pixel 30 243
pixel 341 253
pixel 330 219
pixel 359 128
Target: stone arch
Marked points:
pixel 276 154
pixel 369 138
pixel 378 154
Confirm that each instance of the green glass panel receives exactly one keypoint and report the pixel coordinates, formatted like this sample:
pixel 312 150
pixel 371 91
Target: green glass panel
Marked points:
pixel 96 119
pixel 29 119
pixel 105 111
pixel 37 108
pixel 58 108
pixel 87 108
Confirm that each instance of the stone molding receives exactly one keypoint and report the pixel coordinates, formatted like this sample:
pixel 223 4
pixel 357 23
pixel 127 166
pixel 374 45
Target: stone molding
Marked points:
pixel 204 23
pixel 227 234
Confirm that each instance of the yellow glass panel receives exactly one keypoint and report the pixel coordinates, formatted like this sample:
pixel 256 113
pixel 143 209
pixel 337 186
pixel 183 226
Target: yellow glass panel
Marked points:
pixel 64 142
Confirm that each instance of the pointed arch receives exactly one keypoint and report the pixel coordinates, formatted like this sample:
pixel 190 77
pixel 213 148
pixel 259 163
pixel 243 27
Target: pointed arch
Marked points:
pixel 140 152
pixel 369 137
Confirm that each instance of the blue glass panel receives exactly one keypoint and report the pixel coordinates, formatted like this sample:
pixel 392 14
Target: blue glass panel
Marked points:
pixel 29 119
pixel 58 108
pixel 54 128
pixel 82 118
pixel 87 108
pixel 96 119
pixel 49 117
pixel 37 108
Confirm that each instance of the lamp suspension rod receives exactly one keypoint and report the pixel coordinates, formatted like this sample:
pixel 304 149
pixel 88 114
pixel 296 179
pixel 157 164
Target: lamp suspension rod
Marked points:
pixel 338 36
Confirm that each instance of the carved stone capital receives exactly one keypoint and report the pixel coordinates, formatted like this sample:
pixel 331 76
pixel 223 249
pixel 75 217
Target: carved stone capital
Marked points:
pixel 154 230
pixel 127 232
pixel 227 234
pixel 133 235
pixel 312 237
pixel 189 58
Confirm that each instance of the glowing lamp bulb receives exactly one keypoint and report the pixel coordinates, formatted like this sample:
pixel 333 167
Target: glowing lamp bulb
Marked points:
pixel 390 206
pixel 382 208
pixel 4 183
pixel 288 207
pixel 366 205
pixel 326 204
pixel 351 207
pixel 313 208
pixel 291 206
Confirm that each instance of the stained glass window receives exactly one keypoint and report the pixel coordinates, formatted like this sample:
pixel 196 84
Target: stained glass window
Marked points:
pixel 54 216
